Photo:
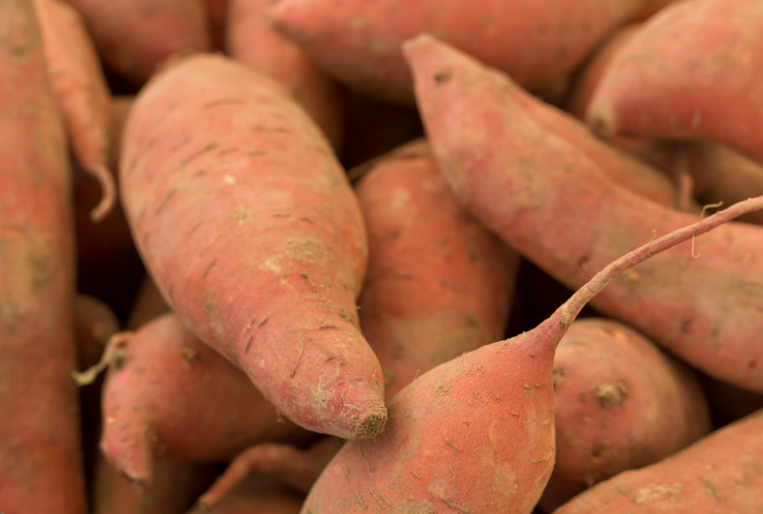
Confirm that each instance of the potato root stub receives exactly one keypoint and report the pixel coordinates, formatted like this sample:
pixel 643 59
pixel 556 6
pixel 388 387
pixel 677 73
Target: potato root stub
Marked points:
pixel 260 494
pixel 476 434
pixel 133 37
pixel 41 468
pixel 252 41
pixel 268 271
pixel 438 283
pixel 358 41
pixel 553 205
pixel 81 92
pixel 619 404
pixel 297 467
pixel 164 397
pixel 719 473
pixel 694 71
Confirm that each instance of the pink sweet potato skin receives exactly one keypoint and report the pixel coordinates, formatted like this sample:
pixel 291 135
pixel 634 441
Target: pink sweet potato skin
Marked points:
pixel 620 404
pixel 171 396
pixel 82 94
pixel 438 283
pixel 617 165
pixel 252 41
pixel 268 273
pixel 721 473
pixel 134 36
pixel 655 89
pixel 705 310
pixel 40 444
pixel 359 42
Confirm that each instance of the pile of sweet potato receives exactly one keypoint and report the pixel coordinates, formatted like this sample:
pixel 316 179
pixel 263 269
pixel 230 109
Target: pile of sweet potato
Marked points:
pixel 319 257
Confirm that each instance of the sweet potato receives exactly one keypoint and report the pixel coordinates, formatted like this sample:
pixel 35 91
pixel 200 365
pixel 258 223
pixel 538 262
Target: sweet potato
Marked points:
pixel 134 36
pixel 169 395
pixel 546 200
pixel 294 466
pixel 619 404
pixel 81 91
pixel 359 42
pixel 720 473
pixel 475 434
pixel 438 283
pixel 252 41
pixel 173 490
pixel 692 72
pixel 269 274
pixel 40 444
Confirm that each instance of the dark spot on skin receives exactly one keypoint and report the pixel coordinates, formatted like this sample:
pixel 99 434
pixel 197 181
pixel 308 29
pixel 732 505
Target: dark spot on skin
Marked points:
pixel 583 261
pixel 189 353
pixel 442 76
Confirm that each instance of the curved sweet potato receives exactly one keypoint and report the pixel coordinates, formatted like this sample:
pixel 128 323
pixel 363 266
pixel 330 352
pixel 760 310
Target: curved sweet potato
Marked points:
pixel 82 94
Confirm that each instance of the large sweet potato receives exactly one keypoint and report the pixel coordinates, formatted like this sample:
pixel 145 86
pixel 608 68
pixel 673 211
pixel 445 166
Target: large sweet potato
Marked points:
pixel 41 467
pixel 267 272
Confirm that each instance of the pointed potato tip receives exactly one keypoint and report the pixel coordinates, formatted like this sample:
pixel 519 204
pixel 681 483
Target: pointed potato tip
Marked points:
pixel 372 424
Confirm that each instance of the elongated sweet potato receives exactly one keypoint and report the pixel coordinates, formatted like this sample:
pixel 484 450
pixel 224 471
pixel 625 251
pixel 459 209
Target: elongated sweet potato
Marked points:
pixel 269 272
pixel 438 283
pixel 252 41
pixel 169 395
pixel 721 474
pixel 694 71
pixel 553 205
pixel 40 444
pixel 475 434
pixel 82 93
pixel 619 404
pixel 359 42
pixel 134 36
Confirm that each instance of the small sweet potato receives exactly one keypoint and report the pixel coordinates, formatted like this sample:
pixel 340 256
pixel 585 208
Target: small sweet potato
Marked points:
pixel 619 404
pixel 692 72
pixel 169 395
pixel 720 473
pixel 82 93
pixel 438 283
